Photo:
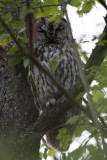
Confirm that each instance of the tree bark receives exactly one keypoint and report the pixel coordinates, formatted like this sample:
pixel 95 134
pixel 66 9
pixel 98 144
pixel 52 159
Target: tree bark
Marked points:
pixel 17 114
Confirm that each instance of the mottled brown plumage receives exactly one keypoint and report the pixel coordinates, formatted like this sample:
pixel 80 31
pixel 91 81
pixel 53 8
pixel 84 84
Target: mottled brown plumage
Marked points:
pixel 52 48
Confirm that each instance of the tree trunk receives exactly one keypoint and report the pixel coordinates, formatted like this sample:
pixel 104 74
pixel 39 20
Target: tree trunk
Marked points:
pixel 17 114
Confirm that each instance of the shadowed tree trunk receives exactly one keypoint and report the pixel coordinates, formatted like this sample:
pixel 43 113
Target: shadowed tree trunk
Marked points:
pixel 17 112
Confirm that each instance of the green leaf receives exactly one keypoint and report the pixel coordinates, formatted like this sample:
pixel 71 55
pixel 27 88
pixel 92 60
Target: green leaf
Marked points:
pixel 52 152
pixel 22 30
pixel 17 24
pixel 56 18
pixel 13 49
pixel 83 125
pixel 54 62
pixel 80 95
pixel 61 132
pixel 75 3
pixel 64 139
pixel 26 62
pixel 53 66
pixel 102 43
pixel 73 120
pixel 86 8
pixel 14 60
pixel 5 39
pixel 102 35
pixel 56 59
pixel 95 153
pixel 98 95
pixel 51 2
pixel 4 36
pixel 7 1
pixel 77 153
pixel 47 11
pixel 79 131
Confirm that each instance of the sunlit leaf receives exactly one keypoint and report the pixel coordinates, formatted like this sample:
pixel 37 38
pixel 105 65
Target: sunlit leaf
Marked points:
pixel 26 62
pixel 17 24
pixel 98 95
pixel 77 153
pixel 95 153
pixel 80 95
pixel 22 30
pixel 102 43
pixel 54 62
pixel 64 139
pixel 72 120
pixel 87 6
pixel 75 3
pixel 5 39
pixel 52 152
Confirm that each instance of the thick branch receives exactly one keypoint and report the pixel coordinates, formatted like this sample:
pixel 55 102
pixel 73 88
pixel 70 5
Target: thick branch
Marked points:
pixel 98 53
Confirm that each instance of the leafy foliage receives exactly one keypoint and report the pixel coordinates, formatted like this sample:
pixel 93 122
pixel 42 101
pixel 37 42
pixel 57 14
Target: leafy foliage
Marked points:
pixel 98 91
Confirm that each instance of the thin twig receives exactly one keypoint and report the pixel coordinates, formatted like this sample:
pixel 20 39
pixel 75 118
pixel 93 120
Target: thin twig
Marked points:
pixel 41 6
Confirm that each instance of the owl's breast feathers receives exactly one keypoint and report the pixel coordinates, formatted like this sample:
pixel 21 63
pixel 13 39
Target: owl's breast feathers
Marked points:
pixel 59 59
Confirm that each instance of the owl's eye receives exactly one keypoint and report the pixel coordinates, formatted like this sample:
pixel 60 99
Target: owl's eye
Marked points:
pixel 60 28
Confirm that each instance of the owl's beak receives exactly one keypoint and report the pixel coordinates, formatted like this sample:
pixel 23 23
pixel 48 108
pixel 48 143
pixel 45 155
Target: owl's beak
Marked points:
pixel 50 31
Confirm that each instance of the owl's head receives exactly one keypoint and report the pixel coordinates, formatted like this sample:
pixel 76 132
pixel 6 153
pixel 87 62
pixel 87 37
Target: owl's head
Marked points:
pixel 51 32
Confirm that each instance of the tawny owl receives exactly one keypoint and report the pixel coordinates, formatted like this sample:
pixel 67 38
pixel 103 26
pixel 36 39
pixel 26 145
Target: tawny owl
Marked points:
pixel 52 48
